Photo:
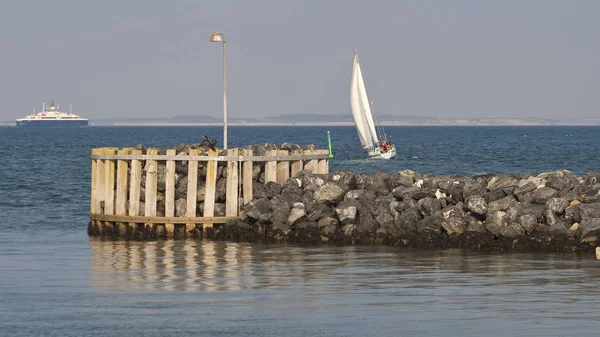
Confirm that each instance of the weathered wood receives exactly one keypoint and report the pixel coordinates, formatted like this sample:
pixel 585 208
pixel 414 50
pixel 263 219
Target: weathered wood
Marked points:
pixel 210 188
pixel 94 202
pixel 192 190
pixel 101 176
pixel 170 191
pixel 157 220
pixel 135 180
pixel 283 167
pixel 151 184
pixel 322 163
pixel 109 183
pixel 247 177
pixel 271 167
pixel 207 158
pixel 310 165
pixel 121 206
pixel 233 187
pixel 297 165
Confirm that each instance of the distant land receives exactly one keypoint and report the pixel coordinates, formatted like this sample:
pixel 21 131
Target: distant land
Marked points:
pixel 333 120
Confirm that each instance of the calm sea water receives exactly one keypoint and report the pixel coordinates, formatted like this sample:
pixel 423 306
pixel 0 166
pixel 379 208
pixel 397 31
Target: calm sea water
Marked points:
pixel 55 281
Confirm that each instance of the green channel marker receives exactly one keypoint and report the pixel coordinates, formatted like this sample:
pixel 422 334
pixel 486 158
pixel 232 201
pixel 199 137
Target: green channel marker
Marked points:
pixel 329 141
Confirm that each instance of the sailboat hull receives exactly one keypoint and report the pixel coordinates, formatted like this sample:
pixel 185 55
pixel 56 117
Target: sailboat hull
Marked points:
pixel 378 154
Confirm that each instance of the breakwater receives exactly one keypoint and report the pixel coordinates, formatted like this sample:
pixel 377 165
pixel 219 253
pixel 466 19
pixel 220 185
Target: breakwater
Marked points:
pixel 555 211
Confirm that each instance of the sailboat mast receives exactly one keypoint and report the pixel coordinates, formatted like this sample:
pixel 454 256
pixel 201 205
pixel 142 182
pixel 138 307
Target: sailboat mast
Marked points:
pixel 379 126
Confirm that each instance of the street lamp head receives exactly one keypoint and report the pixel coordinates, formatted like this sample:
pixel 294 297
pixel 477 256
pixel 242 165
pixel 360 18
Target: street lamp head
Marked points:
pixel 217 37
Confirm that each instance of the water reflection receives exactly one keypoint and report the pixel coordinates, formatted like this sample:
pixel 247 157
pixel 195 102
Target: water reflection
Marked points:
pixel 206 266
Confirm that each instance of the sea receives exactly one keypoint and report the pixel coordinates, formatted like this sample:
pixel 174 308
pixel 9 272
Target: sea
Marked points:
pixel 57 281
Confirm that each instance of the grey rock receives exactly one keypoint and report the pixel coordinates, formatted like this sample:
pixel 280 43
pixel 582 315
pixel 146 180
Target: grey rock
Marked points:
pixel 557 205
pixel 429 206
pixel 589 227
pixel 180 207
pixel 405 222
pixel 502 204
pixel 589 211
pixel 327 221
pixel 542 194
pixel 512 231
pixel 528 222
pixel 330 192
pixel 501 181
pixel 453 226
pixel 430 224
pixel 347 214
pixel 258 209
pixel 477 205
pixel 495 222
pixel 319 212
pixel 494 195
pixel 297 214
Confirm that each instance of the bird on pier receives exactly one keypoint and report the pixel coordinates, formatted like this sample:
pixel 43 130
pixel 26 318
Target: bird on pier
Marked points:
pixel 209 143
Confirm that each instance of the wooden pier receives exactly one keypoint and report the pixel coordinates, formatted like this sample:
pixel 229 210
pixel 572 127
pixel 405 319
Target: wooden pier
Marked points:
pixel 126 199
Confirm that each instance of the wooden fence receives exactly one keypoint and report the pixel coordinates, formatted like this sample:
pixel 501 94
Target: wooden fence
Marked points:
pixel 117 179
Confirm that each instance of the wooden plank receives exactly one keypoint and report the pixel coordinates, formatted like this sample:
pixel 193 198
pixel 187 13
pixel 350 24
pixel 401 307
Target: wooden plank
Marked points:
pixel 283 167
pixel 210 188
pixel 101 181
pixel 151 184
pixel 121 206
pixel 231 198
pixel 311 165
pixel 192 190
pixel 271 167
pixel 314 155
pixel 135 180
pixel 94 203
pixel 297 165
pixel 109 183
pixel 247 177
pixel 322 163
pixel 170 191
pixel 159 220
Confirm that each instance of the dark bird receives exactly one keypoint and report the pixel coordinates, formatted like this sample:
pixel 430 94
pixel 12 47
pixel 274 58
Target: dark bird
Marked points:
pixel 213 143
pixel 209 143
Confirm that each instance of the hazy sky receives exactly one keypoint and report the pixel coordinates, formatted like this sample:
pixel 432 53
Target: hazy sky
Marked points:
pixel 136 58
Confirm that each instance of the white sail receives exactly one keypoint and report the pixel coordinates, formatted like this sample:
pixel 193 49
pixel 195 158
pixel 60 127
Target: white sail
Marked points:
pixel 361 109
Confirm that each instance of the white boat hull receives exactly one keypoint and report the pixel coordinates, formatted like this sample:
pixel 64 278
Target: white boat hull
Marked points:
pixel 377 153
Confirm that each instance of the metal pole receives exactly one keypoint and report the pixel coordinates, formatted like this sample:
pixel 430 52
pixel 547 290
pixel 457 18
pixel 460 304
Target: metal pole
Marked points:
pixel 224 96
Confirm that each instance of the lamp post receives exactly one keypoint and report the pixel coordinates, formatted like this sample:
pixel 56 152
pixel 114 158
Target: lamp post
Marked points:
pixel 220 37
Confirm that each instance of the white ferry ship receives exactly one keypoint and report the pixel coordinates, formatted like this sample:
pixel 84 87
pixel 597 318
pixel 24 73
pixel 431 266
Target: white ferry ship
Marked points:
pixel 52 117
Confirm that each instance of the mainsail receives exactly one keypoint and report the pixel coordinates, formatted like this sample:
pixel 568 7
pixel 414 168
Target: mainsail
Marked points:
pixel 361 110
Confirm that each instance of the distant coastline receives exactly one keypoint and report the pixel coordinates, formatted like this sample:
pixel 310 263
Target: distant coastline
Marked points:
pixel 335 120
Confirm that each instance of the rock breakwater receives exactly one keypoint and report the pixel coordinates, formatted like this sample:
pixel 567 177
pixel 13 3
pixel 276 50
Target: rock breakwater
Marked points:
pixel 554 211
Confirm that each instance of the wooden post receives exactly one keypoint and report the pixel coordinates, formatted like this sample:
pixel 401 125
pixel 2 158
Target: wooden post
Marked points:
pixel 311 165
pixel 135 181
pixel 151 185
pixel 170 191
pixel 94 203
pixel 192 189
pixel 247 177
pixel 109 182
pixel 271 167
pixel 322 165
pixel 121 206
pixel 211 187
pixel 231 198
pixel 101 181
pixel 297 165
pixel 283 167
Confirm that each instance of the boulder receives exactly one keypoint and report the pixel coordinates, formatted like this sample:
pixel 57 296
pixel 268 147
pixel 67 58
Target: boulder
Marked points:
pixel 404 223
pixel 542 194
pixel 258 209
pixel 588 228
pixel 453 226
pixel 557 205
pixel 319 212
pixel 297 214
pixel 502 204
pixel 347 213
pixel 330 192
pixel 495 222
pixel 430 224
pixel 529 222
pixel 429 206
pixel 477 204
pixel 512 231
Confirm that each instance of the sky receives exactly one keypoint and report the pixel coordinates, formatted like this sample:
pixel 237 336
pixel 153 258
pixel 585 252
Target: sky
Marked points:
pixel 150 58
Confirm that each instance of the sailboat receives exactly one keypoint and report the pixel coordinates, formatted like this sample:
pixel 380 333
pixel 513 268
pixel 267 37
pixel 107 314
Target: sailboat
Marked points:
pixel 363 118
